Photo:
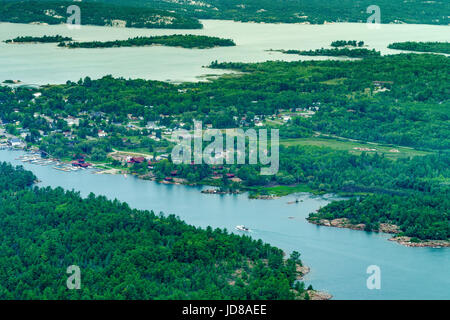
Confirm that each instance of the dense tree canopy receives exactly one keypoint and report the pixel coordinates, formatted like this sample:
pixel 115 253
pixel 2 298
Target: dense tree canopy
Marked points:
pixel 336 52
pixel 125 253
pixel 423 216
pixel 55 12
pixel 176 40
pixel 312 11
pixel 43 39
pixel 439 47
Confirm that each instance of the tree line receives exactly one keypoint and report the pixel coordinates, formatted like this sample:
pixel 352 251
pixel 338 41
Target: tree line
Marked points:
pixel 420 216
pixel 43 39
pixel 176 40
pixel 439 47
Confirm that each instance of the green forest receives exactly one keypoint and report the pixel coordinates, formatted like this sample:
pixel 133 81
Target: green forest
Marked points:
pixel 438 47
pixel 398 101
pixel 421 216
pixel 344 43
pixel 100 14
pixel 372 129
pixel 336 52
pixel 292 11
pixel 176 40
pixel 300 11
pixel 125 253
pixel 43 39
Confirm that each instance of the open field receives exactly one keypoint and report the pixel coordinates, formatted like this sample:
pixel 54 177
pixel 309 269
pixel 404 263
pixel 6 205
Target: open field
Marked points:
pixel 392 152
pixel 279 191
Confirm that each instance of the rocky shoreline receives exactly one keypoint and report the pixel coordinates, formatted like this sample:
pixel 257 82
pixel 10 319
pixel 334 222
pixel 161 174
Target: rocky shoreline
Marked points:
pixel 218 191
pixel 302 271
pixel 385 228
pixel 264 197
pixel 406 241
pixel 319 295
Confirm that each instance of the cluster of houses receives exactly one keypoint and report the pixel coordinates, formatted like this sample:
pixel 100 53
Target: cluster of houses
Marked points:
pixel 287 114
pixel 80 162
pixel 218 172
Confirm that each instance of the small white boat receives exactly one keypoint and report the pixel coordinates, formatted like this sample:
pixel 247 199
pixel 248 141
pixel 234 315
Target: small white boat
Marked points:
pixel 242 228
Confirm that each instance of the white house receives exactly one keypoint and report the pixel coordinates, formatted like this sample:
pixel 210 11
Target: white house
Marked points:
pixel 102 134
pixel 15 142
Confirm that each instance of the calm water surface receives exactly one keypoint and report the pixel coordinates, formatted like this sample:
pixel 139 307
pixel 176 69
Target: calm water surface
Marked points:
pixel 46 63
pixel 338 257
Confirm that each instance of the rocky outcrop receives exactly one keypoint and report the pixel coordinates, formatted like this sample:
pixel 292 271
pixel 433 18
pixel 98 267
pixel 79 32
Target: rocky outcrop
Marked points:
pixel 384 227
pixel 301 271
pixel 406 241
pixel 338 223
pixel 217 191
pixel 319 295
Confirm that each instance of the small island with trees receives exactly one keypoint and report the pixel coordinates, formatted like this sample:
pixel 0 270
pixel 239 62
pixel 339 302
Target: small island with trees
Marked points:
pixel 177 40
pixel 436 47
pixel 44 39
pixel 347 43
pixel 341 52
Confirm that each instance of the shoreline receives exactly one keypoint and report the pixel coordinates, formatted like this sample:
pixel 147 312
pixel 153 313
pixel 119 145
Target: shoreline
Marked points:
pixel 384 228
pixel 302 271
pixel 101 168
pixel 337 223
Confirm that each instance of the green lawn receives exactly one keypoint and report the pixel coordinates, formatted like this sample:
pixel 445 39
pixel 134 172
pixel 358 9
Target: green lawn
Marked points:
pixel 279 191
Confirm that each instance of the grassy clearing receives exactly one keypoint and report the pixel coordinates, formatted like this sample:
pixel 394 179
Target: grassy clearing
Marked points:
pixel 279 191
pixel 392 152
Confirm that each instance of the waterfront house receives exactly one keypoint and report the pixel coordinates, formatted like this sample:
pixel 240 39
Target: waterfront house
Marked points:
pixel 136 160
pixel 15 142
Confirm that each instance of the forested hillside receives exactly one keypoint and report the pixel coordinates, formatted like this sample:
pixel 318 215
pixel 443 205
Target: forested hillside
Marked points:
pixel 292 11
pixel 55 12
pixel 398 99
pixel 313 11
pixel 351 53
pixel 125 253
pixel 421 216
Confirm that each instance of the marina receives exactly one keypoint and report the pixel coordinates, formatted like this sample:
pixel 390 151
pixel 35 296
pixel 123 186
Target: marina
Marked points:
pixel 35 158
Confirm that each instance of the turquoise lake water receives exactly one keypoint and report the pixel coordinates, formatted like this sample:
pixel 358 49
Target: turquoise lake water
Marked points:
pixel 338 257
